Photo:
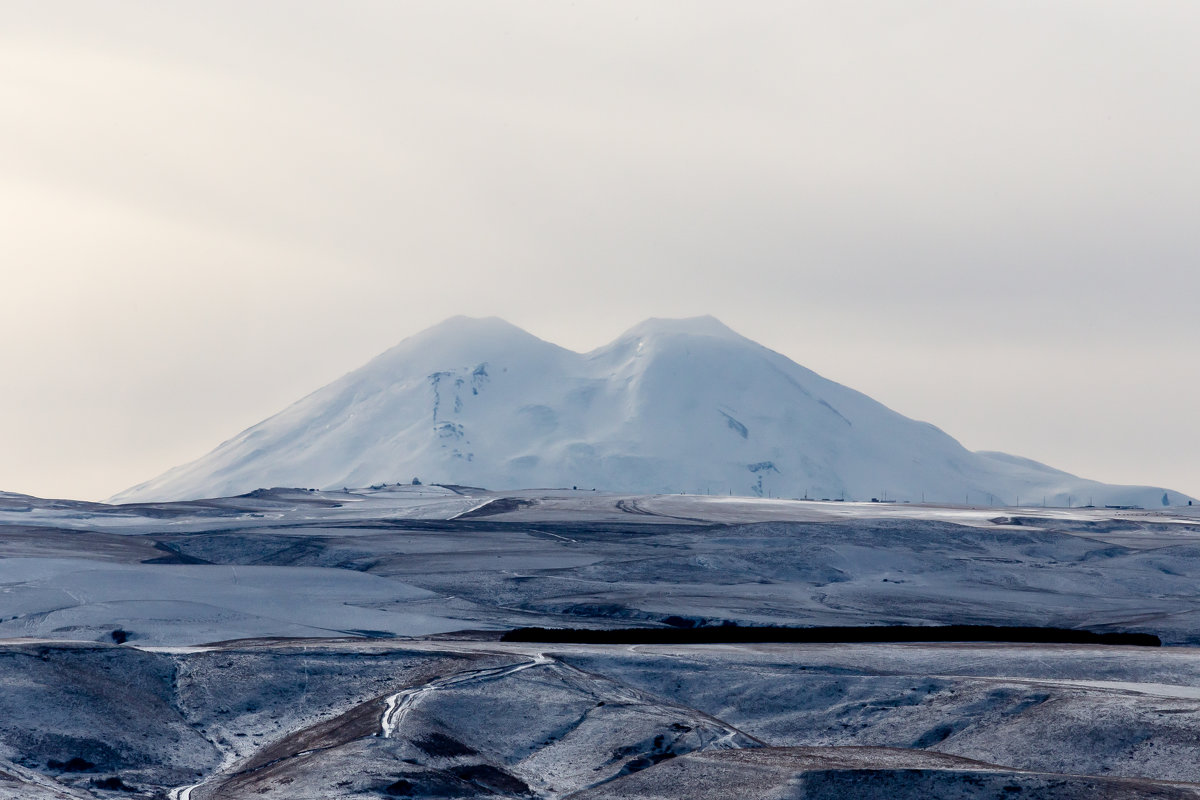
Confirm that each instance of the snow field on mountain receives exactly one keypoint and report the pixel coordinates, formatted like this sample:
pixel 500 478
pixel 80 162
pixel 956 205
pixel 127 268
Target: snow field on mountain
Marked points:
pixel 670 406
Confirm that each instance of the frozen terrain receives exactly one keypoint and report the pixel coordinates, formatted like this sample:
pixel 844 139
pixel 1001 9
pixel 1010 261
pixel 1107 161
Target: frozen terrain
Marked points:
pixel 406 561
pixel 670 406
pixel 320 719
pixel 301 644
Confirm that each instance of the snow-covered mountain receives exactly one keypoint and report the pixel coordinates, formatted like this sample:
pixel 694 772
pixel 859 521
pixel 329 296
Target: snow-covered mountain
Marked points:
pixel 670 406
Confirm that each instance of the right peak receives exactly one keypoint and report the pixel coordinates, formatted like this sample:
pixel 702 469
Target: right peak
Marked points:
pixel 706 325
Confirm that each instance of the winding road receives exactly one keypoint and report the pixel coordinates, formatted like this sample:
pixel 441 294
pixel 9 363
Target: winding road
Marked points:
pixel 402 702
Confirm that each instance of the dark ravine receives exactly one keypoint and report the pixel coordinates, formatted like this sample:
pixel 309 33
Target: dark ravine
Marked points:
pixel 736 634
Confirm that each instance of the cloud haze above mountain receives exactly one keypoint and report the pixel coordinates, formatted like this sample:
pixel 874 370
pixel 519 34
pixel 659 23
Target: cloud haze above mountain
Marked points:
pixel 980 215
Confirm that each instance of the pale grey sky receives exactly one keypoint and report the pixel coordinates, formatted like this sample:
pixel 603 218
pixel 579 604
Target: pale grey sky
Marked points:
pixel 981 214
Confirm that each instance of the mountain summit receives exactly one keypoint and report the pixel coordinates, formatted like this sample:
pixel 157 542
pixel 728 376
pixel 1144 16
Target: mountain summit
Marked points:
pixel 672 405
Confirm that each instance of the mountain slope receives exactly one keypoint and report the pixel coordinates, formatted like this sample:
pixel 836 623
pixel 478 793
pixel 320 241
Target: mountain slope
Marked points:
pixel 669 406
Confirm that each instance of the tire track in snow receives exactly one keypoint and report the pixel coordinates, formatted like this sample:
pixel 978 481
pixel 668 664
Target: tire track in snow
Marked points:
pixel 402 702
pixel 397 707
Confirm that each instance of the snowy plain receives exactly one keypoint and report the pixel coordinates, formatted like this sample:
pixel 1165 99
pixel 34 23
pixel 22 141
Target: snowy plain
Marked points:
pixel 417 560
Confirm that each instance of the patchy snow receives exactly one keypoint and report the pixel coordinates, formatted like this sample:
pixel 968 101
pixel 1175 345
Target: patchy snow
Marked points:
pixel 302 721
pixel 1136 687
pixel 399 705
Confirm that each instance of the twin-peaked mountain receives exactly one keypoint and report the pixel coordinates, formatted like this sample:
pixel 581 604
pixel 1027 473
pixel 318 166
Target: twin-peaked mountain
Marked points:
pixel 670 406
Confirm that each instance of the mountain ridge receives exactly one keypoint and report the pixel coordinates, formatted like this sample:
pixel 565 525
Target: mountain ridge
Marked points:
pixel 670 405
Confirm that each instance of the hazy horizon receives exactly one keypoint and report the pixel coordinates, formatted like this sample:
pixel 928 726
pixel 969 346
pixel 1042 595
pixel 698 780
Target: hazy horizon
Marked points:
pixel 979 216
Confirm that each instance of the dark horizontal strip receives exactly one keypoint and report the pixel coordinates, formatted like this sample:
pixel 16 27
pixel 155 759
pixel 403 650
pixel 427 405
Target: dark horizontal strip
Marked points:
pixel 733 634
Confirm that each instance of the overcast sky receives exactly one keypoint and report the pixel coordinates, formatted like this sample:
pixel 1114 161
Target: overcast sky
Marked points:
pixel 984 215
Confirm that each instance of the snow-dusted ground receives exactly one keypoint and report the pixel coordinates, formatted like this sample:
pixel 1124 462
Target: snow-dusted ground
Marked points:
pixel 412 561
pixel 397 704
pixel 321 719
